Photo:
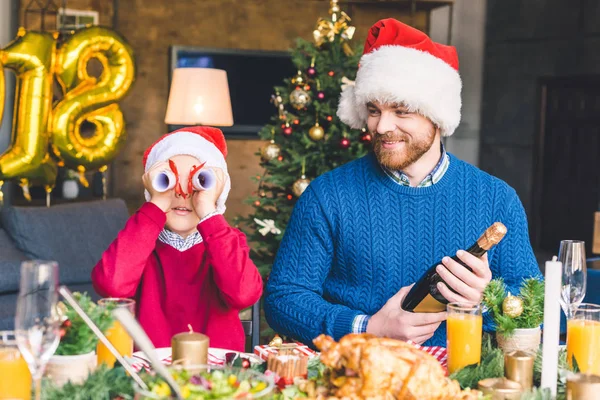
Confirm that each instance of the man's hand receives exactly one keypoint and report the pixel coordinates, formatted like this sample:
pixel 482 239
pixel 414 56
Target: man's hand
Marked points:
pixel 469 285
pixel 393 322
pixel 161 200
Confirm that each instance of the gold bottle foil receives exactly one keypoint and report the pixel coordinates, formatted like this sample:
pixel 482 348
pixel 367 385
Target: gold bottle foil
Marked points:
pixel 189 348
pixel 518 367
pixel 501 388
pixel 492 236
pixel 583 387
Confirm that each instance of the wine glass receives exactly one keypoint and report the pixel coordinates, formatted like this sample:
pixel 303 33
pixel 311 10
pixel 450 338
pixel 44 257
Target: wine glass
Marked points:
pixel 574 274
pixel 37 322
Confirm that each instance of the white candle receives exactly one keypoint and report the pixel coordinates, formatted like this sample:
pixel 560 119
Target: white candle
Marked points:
pixel 551 325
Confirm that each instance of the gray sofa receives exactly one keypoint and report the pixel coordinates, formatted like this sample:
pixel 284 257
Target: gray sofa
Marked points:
pixel 74 235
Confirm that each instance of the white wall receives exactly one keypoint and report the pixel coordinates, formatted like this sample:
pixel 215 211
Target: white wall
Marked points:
pixel 8 31
pixel 468 35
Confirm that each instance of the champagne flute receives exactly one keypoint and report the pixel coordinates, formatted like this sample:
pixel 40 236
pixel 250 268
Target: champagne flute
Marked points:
pixel 36 321
pixel 574 274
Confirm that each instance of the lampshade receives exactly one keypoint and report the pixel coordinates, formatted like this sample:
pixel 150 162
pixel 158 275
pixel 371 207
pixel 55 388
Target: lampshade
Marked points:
pixel 199 96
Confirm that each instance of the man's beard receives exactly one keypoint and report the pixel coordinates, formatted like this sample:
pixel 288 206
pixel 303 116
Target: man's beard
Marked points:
pixel 398 160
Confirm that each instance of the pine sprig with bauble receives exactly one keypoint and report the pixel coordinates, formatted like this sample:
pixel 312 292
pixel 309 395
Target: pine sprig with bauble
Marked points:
pixel 510 312
pixel 75 336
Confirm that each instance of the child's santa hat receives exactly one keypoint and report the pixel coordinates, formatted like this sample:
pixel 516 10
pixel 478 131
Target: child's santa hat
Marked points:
pixel 402 65
pixel 202 142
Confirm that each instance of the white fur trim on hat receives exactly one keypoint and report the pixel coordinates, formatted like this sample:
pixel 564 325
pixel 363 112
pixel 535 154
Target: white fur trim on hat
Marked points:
pixel 396 74
pixel 191 144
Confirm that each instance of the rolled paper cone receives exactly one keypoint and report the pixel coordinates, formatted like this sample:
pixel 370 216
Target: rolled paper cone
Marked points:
pixel 204 179
pixel 500 388
pixel 518 367
pixel 190 348
pixel 583 386
pixel 163 181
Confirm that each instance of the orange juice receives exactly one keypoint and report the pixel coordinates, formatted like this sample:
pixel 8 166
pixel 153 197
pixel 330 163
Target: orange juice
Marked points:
pixel 15 378
pixel 583 342
pixel 463 340
pixel 122 342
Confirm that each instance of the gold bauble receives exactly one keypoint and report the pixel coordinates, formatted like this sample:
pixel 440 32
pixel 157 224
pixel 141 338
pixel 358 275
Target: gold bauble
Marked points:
pixel 299 98
pixel 276 342
pixel 300 186
pixel 316 132
pixel 512 306
pixel 270 151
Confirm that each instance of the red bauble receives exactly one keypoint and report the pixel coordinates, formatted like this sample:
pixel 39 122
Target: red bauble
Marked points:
pixel 321 95
pixel 365 137
pixel 311 71
pixel 67 324
pixel 287 131
pixel 296 121
pixel 345 143
pixel 257 203
pixel 245 363
pixel 290 197
pixel 329 118
pixel 331 73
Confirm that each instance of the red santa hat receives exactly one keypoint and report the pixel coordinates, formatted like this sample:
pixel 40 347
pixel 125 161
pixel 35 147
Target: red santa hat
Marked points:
pixel 402 65
pixel 205 143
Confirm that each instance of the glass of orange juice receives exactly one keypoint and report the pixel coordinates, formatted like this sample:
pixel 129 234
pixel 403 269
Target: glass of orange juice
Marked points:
pixel 15 378
pixel 583 338
pixel 116 334
pixel 463 339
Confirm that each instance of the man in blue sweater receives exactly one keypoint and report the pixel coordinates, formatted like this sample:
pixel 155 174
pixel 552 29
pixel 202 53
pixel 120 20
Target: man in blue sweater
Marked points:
pixel 362 234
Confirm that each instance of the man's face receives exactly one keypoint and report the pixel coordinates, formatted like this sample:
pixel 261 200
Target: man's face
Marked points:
pixel 400 137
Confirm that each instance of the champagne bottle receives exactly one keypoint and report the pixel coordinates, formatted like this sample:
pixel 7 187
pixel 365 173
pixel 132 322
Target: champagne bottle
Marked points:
pixel 425 296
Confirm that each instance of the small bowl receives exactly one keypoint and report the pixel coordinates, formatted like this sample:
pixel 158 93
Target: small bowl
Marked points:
pixel 240 373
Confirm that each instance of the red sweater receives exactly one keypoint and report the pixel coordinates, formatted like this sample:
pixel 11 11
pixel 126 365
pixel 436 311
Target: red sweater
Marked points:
pixel 205 286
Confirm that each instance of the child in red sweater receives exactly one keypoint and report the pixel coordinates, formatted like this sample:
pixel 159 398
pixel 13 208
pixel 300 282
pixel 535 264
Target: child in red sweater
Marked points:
pixel 177 256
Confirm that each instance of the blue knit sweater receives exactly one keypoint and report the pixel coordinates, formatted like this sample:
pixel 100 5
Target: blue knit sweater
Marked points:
pixel 356 237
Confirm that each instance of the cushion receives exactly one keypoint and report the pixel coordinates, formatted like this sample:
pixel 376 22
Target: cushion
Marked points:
pixel 8 305
pixel 74 235
pixel 10 264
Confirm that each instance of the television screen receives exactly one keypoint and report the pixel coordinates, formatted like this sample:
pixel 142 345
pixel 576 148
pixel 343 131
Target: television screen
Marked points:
pixel 251 75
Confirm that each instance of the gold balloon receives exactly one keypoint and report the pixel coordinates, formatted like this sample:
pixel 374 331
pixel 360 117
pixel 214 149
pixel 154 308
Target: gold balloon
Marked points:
pixel 31 55
pixel 299 98
pixel 512 306
pixel 1 95
pixel 316 132
pixel 270 151
pixel 91 99
pixel 300 186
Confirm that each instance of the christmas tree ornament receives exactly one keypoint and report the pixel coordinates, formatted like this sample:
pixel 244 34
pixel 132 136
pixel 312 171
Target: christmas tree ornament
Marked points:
pixel 365 137
pixel 329 118
pixel 287 129
pixel 280 158
pixel 299 98
pixel 331 73
pixel 301 184
pixel 296 121
pixel 276 342
pixel 344 143
pixel 317 132
pixel 298 80
pixel 278 102
pixel 257 203
pixel 321 95
pixel 267 226
pixel 311 71
pixel 290 197
pixel 512 306
pixel 270 151
pixel 245 363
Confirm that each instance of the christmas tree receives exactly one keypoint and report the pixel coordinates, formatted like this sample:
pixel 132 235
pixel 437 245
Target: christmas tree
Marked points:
pixel 306 137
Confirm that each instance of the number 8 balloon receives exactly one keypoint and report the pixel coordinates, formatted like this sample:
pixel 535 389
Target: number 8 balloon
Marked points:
pixel 90 99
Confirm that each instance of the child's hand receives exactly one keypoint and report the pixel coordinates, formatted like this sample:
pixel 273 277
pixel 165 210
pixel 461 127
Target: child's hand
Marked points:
pixel 161 200
pixel 205 201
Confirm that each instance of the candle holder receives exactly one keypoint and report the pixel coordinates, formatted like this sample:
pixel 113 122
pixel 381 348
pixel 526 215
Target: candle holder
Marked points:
pixel 189 348
pixel 583 386
pixel 501 388
pixel 518 367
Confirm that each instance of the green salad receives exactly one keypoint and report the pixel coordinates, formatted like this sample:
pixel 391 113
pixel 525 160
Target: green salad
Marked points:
pixel 213 384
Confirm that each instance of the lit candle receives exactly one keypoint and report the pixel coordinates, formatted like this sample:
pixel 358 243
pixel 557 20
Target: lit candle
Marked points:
pixel 551 325
pixel 189 348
